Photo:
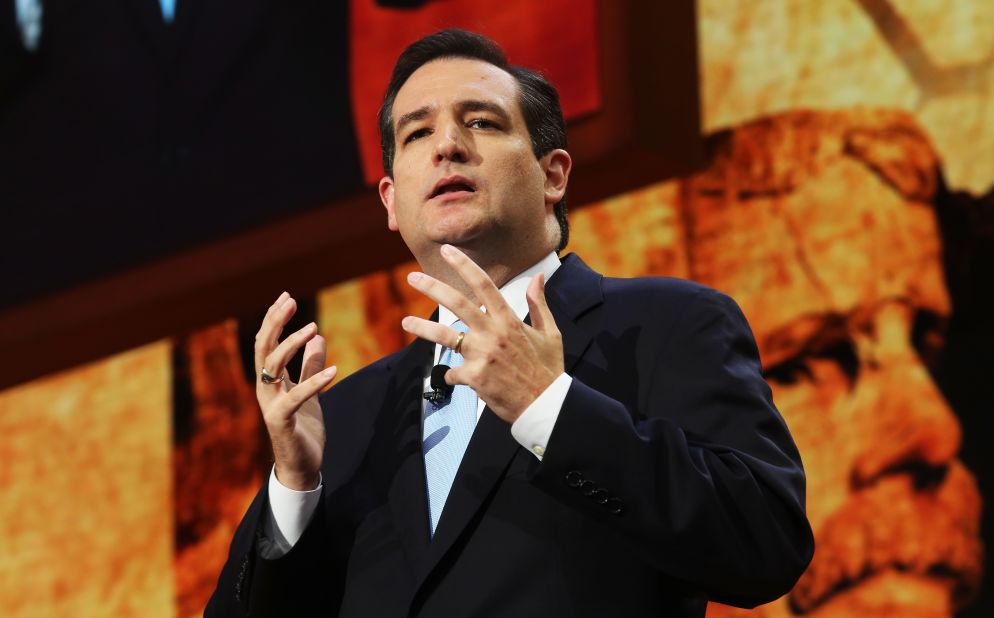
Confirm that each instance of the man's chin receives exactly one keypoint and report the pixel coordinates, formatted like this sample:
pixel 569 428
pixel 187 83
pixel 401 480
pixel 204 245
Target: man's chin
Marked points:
pixel 892 593
pixel 467 238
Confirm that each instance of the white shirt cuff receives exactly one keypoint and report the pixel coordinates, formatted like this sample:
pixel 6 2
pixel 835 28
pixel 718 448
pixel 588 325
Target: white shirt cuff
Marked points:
pixel 289 512
pixel 534 426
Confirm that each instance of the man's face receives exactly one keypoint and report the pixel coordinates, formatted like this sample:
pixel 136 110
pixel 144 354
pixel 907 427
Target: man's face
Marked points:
pixel 464 172
pixel 845 294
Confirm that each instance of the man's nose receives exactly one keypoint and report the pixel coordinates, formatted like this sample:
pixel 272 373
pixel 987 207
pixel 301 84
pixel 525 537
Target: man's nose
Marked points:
pixel 908 424
pixel 450 145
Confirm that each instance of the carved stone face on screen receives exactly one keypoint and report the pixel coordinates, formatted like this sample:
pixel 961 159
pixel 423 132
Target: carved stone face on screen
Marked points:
pixel 820 226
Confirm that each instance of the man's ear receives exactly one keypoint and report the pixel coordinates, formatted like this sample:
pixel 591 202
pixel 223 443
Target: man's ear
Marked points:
pixel 386 196
pixel 557 165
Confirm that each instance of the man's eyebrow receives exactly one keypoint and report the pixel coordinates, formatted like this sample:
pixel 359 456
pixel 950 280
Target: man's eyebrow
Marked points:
pixel 804 336
pixel 478 105
pixel 419 114
pixel 469 105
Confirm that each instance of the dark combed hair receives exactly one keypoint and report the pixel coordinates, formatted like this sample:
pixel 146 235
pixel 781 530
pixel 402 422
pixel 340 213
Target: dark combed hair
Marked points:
pixel 538 98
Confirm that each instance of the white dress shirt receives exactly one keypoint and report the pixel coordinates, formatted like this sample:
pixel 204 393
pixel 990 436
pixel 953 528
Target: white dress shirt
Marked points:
pixel 290 511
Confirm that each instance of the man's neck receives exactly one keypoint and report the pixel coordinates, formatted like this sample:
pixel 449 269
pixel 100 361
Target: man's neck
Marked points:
pixel 514 291
pixel 499 271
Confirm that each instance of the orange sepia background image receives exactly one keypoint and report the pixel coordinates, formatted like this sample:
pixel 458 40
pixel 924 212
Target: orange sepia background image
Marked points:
pixel 844 198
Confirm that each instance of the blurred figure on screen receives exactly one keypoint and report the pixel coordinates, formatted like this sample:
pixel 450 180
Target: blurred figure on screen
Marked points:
pixel 822 226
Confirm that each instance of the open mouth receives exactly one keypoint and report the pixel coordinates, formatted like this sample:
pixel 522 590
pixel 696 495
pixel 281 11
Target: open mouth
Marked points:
pixel 452 185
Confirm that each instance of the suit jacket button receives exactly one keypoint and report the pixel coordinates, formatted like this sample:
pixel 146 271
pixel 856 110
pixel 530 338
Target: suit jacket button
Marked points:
pixel 241 578
pixel 573 478
pixel 614 506
pixel 600 496
pixel 588 488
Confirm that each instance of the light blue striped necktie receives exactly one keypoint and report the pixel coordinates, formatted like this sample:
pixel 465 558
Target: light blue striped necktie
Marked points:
pixel 168 10
pixel 446 431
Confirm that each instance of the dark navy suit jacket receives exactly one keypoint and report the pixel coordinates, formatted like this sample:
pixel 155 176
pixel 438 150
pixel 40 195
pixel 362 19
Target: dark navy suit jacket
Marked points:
pixel 669 479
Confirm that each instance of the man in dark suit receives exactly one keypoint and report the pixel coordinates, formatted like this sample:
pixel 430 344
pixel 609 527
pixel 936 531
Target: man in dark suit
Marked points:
pixel 608 448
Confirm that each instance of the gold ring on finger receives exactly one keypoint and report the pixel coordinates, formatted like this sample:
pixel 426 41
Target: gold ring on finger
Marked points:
pixel 268 378
pixel 456 348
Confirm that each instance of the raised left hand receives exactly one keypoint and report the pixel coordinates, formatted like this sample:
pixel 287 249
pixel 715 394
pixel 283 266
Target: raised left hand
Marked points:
pixel 507 362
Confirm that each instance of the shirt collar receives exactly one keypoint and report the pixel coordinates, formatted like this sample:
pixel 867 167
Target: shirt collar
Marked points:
pixel 514 290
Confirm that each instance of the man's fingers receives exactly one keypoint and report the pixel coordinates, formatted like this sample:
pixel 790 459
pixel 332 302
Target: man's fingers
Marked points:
pixel 276 361
pixel 267 337
pixel 443 294
pixel 456 375
pixel 308 388
pixel 430 331
pixel 533 294
pixel 486 292
pixel 279 301
pixel 314 356
pixel 260 350
pixel 538 307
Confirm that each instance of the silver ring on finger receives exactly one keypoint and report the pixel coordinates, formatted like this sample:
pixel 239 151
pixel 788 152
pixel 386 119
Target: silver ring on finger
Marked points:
pixel 458 346
pixel 268 378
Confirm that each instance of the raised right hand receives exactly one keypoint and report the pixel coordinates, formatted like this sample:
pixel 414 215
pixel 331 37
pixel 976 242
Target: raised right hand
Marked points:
pixel 291 411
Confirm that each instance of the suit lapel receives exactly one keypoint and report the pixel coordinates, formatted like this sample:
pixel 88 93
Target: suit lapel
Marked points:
pixel 407 494
pixel 571 292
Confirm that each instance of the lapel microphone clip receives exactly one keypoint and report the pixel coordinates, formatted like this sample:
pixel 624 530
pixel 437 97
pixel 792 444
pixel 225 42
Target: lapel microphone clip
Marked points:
pixel 440 391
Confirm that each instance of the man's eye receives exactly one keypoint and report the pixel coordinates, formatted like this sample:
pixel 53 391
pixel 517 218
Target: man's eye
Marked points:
pixel 810 365
pixel 928 336
pixel 415 135
pixel 789 372
pixel 481 123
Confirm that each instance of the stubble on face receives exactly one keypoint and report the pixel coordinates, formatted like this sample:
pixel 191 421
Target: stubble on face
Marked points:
pixel 470 130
